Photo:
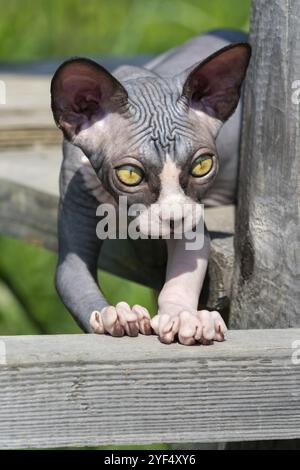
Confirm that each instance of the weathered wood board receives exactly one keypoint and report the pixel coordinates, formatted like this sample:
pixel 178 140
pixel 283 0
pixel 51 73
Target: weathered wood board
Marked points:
pixel 266 291
pixel 76 390
pixel 26 119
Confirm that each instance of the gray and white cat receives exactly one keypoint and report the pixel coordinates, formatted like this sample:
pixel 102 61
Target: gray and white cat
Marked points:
pixel 155 135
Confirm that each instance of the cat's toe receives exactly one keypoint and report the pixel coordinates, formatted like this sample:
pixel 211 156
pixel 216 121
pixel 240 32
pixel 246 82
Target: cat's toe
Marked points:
pixel 127 319
pixel 96 322
pixel 143 318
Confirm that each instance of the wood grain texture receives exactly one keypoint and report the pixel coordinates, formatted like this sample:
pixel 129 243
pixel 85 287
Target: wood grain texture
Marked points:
pixel 266 289
pixel 73 390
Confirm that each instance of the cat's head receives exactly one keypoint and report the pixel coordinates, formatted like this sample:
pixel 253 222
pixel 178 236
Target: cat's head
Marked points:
pixel 151 139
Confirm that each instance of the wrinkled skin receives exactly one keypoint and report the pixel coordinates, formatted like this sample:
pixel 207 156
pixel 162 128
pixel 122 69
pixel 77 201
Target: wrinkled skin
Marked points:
pixel 161 119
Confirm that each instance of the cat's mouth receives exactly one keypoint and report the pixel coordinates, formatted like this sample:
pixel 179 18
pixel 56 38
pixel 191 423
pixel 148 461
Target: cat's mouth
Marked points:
pixel 154 223
pixel 176 229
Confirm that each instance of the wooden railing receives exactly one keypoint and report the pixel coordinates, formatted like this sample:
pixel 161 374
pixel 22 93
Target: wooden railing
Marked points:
pixel 88 390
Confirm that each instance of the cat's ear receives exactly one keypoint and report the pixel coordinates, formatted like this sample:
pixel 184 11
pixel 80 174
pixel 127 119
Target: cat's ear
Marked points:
pixel 214 85
pixel 82 93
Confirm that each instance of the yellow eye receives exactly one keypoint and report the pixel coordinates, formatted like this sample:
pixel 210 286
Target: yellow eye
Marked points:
pixel 130 175
pixel 202 165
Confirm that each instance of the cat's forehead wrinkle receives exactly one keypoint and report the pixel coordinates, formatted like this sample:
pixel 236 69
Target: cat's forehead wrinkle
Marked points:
pixel 156 114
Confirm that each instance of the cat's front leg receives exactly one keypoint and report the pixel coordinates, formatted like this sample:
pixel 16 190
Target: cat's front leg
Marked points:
pixel 79 246
pixel 177 303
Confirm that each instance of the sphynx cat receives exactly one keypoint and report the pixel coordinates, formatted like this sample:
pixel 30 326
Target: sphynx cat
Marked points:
pixel 163 135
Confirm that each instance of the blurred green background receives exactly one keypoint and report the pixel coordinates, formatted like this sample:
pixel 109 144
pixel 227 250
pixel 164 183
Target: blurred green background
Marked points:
pixel 35 29
pixel 42 29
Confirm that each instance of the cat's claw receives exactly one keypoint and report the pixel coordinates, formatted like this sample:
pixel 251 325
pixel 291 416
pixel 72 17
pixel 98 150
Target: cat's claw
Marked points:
pixel 120 320
pixel 190 327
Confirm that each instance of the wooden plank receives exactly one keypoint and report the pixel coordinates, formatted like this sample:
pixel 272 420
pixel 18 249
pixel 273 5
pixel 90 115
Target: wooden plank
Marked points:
pixel 26 118
pixel 266 291
pixel 35 168
pixel 75 390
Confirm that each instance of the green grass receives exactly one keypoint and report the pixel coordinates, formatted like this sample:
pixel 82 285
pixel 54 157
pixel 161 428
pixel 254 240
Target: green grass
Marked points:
pixel 36 29
pixel 28 301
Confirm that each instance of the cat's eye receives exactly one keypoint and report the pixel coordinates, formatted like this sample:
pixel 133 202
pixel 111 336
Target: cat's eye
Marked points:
pixel 130 175
pixel 202 165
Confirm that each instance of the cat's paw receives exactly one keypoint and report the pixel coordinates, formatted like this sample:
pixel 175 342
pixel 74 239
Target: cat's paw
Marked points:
pixel 121 319
pixel 190 327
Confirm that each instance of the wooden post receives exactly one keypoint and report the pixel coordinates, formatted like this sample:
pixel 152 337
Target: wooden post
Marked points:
pixel 266 285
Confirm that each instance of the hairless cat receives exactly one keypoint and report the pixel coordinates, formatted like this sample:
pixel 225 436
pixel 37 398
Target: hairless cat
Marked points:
pixel 156 135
